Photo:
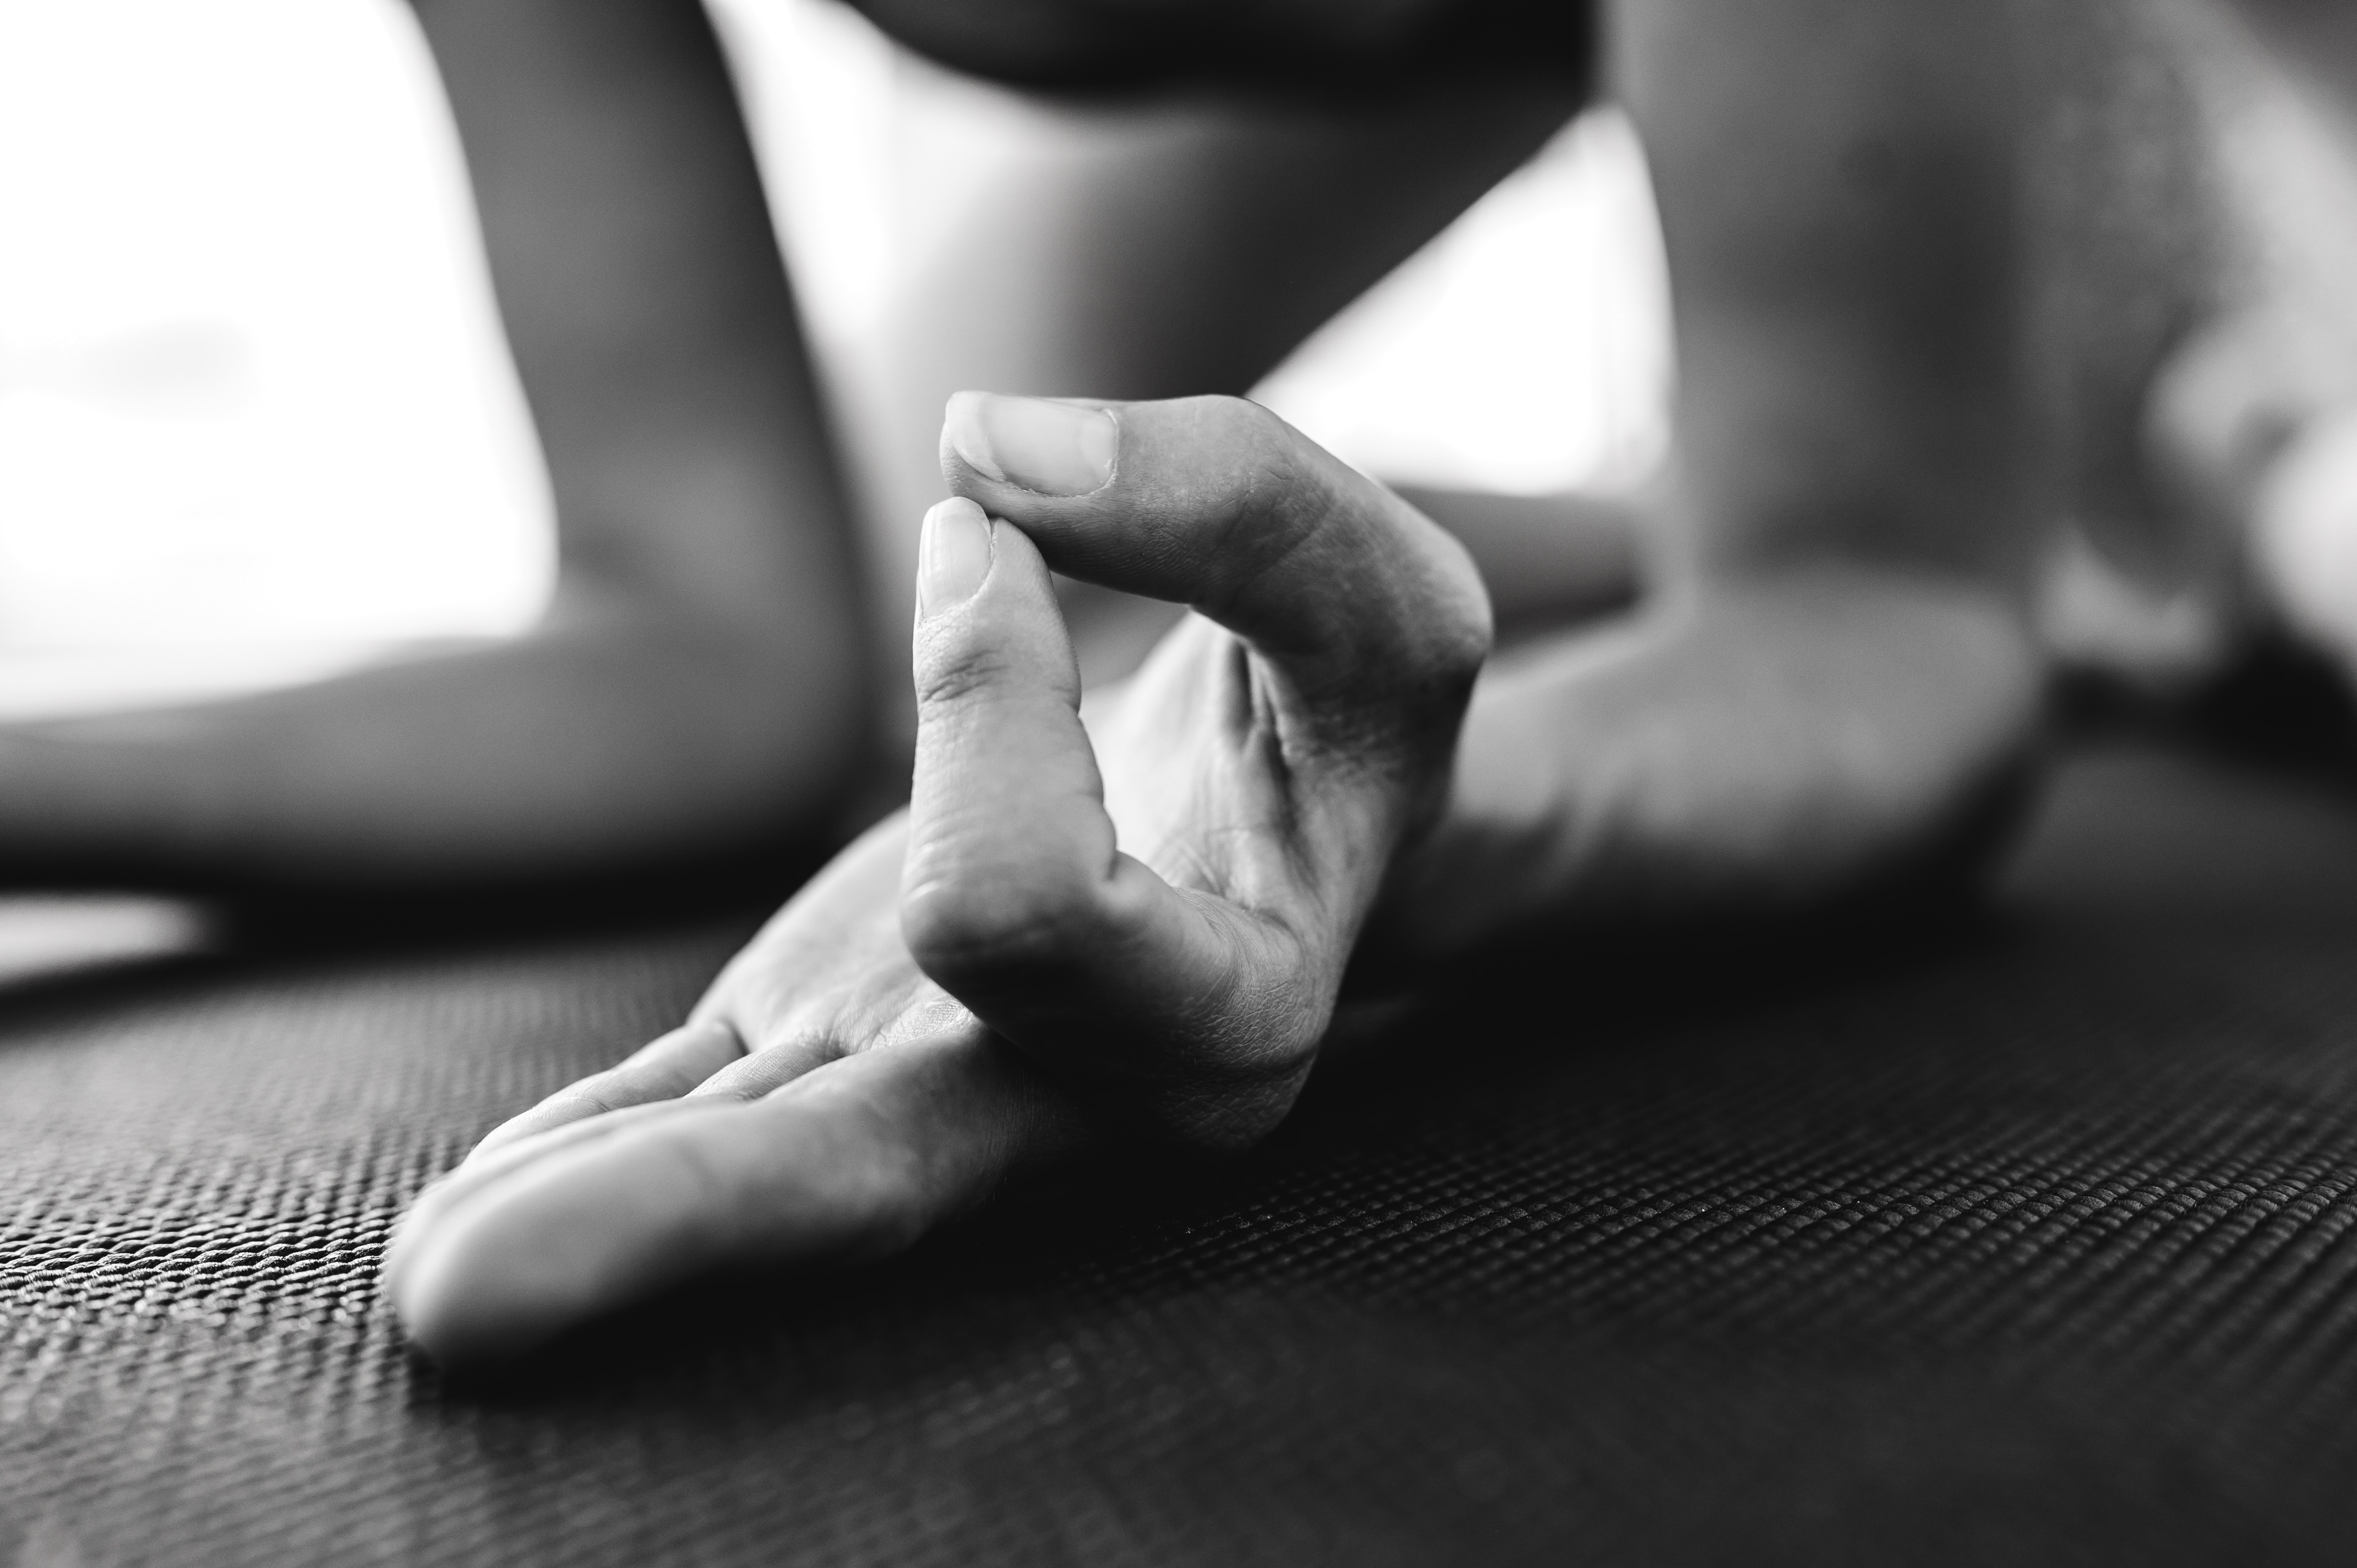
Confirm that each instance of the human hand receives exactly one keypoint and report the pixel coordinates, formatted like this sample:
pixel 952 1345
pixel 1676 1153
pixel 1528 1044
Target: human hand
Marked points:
pixel 1132 929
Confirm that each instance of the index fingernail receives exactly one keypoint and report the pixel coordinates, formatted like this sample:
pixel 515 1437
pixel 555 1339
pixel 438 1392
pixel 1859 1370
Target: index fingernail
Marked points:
pixel 1054 449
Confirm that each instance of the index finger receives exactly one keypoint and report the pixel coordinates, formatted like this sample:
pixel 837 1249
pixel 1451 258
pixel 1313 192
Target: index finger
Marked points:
pixel 1217 503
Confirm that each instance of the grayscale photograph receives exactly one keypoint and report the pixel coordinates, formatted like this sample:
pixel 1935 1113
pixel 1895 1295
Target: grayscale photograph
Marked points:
pixel 1182 783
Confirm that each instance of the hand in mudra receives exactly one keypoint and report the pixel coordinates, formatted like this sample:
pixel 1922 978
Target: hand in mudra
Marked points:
pixel 1073 935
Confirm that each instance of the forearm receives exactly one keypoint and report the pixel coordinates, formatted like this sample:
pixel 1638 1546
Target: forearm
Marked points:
pixel 647 307
pixel 702 681
pixel 609 741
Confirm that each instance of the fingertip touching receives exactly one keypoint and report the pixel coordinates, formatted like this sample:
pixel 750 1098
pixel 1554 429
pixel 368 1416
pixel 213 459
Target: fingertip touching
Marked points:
pixel 1216 503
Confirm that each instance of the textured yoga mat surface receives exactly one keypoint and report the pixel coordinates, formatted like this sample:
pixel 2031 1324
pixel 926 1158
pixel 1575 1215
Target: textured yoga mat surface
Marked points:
pixel 2028 1242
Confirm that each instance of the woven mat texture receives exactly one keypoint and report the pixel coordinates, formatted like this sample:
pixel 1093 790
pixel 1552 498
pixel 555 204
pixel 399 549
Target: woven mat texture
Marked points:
pixel 2036 1242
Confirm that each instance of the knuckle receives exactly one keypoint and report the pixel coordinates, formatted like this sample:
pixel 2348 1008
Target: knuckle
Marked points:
pixel 1456 647
pixel 1259 460
pixel 1433 640
pixel 971 930
pixel 1254 421
pixel 952 676
pixel 1223 416
pixel 1462 624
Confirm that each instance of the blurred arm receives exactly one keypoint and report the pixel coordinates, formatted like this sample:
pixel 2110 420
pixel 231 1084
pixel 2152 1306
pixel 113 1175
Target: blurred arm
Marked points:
pixel 700 680
pixel 1831 686
pixel 1838 190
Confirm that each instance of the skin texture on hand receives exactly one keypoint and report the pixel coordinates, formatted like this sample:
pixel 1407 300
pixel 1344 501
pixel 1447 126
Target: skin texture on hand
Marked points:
pixel 1130 930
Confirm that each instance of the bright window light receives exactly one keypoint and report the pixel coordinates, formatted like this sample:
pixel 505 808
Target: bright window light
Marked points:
pixel 257 421
pixel 1524 350
pixel 255 417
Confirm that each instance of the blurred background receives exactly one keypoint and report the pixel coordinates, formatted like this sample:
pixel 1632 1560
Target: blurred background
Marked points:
pixel 257 422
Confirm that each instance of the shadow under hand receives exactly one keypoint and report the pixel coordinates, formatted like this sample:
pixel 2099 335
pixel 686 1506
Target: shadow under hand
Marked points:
pixel 1522 1028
